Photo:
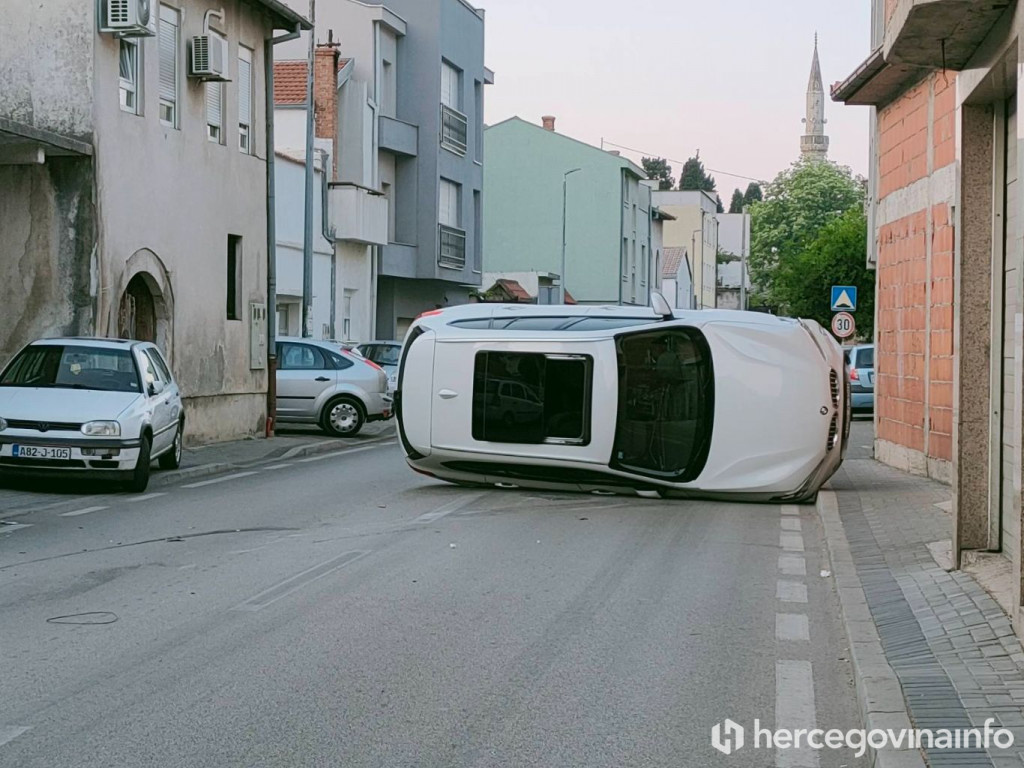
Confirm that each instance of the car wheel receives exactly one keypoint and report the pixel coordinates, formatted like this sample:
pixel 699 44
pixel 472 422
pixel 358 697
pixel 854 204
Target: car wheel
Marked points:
pixel 140 475
pixel 343 417
pixel 172 458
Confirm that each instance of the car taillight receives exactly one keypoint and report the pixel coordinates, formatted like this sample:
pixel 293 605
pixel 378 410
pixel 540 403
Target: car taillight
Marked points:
pixel 428 313
pixel 370 362
pixel 854 376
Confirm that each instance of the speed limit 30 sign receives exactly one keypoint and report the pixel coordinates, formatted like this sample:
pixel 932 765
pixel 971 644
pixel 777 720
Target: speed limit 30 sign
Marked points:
pixel 842 325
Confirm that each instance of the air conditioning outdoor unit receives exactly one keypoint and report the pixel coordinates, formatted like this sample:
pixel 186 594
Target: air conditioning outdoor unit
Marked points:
pixel 209 57
pixel 129 18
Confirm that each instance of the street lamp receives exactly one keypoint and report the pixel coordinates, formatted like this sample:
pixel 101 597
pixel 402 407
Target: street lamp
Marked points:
pixel 565 183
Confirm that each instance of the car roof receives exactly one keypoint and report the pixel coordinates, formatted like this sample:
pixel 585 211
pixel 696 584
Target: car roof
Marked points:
pixel 87 341
pixel 392 342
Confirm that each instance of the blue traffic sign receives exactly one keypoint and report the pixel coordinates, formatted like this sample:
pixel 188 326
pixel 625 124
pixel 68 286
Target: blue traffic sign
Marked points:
pixel 844 298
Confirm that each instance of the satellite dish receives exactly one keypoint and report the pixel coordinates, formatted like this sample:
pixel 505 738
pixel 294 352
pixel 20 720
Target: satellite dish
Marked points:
pixel 660 305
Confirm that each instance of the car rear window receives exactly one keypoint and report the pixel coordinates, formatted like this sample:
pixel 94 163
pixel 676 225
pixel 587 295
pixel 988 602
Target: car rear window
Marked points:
pixel 72 367
pixel 866 357
pixel 381 354
pixel 525 397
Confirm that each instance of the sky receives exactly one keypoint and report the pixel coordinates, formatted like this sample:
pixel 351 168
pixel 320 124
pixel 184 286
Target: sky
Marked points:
pixel 669 77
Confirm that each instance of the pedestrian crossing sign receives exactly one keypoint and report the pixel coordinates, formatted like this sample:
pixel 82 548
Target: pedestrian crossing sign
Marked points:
pixel 844 298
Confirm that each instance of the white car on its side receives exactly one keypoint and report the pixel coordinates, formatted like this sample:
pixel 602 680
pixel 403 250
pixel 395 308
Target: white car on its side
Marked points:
pixel 713 404
pixel 89 406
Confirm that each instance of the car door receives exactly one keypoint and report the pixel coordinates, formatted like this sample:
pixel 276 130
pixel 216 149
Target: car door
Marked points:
pixel 303 374
pixel 161 401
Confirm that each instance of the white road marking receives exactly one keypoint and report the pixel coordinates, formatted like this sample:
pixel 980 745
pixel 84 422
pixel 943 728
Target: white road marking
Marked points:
pixel 86 511
pixel 791 626
pixel 447 509
pixel 792 565
pixel 11 732
pixel 147 497
pixel 15 527
pixel 336 454
pixel 791 591
pixel 791 542
pixel 216 480
pixel 277 466
pixel 299 580
pixel 790 523
pixel 790 509
pixel 794 708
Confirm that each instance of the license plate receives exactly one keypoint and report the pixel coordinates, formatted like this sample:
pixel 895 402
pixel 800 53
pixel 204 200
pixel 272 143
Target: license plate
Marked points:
pixel 40 452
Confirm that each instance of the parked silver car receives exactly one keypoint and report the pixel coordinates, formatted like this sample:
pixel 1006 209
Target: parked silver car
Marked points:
pixel 319 382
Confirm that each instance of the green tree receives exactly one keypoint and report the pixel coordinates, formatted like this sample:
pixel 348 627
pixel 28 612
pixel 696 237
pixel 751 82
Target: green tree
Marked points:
pixel 695 177
pixel 798 205
pixel 659 169
pixel 737 202
pixel 718 203
pixel 754 194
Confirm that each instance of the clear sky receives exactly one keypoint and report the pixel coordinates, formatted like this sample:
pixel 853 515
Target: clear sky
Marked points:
pixel 670 76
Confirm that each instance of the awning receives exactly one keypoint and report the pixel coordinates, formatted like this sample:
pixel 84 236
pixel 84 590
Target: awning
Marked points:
pixel 22 144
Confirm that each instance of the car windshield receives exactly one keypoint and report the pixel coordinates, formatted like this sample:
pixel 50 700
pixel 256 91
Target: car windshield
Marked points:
pixel 72 367
pixel 382 354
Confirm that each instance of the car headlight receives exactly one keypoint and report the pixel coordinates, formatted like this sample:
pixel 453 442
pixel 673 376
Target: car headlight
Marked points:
pixel 3 424
pixel 102 429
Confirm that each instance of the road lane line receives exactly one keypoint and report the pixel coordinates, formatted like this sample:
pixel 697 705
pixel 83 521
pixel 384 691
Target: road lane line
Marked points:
pixel 86 511
pixel 790 523
pixel 147 497
pixel 794 708
pixel 299 580
pixel 791 591
pixel 277 466
pixel 11 732
pixel 792 565
pixel 15 527
pixel 791 542
pixel 336 454
pixel 216 480
pixel 790 509
pixel 792 626
pixel 447 509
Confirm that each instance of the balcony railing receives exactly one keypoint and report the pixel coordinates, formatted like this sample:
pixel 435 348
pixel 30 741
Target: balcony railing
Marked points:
pixel 451 247
pixel 454 130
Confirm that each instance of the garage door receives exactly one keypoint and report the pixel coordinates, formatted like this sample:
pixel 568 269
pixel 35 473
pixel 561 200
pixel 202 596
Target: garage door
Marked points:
pixel 1010 521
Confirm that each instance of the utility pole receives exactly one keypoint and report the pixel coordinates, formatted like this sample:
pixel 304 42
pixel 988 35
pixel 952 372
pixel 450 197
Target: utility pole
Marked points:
pixel 307 241
pixel 561 280
pixel 744 245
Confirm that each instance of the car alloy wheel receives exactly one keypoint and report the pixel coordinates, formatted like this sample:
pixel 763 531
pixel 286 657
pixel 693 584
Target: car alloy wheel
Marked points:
pixel 172 458
pixel 343 417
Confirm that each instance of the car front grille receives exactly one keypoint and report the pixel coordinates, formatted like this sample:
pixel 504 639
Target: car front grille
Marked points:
pixel 833 432
pixel 44 426
pixel 833 385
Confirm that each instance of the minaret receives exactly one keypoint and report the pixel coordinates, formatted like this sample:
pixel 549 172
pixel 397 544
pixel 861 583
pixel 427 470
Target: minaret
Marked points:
pixel 814 143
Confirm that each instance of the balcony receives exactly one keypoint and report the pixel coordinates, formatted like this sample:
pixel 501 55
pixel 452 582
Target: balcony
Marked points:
pixel 398 136
pixel 454 130
pixel 359 214
pixel 451 247
pixel 938 33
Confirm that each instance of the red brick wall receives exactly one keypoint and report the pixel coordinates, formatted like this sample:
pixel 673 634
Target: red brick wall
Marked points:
pixel 913 356
pixel 325 96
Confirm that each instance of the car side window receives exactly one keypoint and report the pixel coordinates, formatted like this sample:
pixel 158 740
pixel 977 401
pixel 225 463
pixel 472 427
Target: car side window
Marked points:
pixel 161 364
pixel 340 362
pixel 150 372
pixel 300 357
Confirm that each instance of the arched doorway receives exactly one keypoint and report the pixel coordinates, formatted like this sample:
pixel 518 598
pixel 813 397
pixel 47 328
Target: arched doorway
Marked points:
pixel 137 315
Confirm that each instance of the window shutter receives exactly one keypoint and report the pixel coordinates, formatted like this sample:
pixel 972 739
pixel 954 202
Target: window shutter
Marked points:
pixel 168 56
pixel 213 103
pixel 244 92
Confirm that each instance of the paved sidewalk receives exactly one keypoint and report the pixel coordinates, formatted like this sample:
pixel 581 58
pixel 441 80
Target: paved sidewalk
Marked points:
pixel 22 495
pixel 935 637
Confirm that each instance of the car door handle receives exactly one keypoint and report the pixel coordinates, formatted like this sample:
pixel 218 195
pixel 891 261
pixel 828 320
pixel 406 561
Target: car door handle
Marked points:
pixel 321 378
pixel 447 394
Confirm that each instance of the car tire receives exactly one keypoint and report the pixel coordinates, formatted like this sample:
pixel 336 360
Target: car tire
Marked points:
pixel 140 475
pixel 343 417
pixel 172 459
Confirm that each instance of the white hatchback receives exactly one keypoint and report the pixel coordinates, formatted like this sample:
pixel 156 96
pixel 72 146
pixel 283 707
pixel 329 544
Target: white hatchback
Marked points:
pixel 99 407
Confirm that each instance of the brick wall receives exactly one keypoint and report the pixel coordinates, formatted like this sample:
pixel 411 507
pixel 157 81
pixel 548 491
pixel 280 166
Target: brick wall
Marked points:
pixel 914 352
pixel 325 96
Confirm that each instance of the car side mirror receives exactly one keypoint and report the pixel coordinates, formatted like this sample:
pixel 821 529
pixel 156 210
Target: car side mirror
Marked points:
pixel 155 388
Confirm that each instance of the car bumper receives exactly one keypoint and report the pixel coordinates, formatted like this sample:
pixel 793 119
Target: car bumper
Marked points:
pixel 379 407
pixel 84 454
pixel 862 401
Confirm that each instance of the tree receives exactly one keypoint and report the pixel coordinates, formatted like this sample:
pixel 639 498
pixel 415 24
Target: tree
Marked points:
pixel 753 194
pixel 695 177
pixel 718 204
pixel 657 168
pixel 787 228
pixel 737 202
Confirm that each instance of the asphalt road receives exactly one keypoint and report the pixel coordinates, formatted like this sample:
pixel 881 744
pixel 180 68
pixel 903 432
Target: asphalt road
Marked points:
pixel 344 611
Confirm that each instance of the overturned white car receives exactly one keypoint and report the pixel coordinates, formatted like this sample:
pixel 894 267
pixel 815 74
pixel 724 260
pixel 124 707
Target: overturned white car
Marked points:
pixel 710 404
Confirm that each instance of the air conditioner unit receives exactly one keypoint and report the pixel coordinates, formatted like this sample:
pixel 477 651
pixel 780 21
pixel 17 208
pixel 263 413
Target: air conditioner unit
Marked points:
pixel 209 59
pixel 129 18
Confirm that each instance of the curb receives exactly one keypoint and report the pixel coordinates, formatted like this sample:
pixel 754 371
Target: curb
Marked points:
pixel 879 694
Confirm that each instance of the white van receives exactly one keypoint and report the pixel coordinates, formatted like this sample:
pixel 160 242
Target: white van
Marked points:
pixel 710 403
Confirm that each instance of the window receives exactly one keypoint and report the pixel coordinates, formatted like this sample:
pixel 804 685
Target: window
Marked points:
pixel 452 238
pixel 449 211
pixel 244 100
pixel 478 120
pixel 451 93
pixel 347 313
pixel 72 367
pixel 865 357
pixel 666 404
pixel 388 96
pixel 301 357
pixel 161 364
pixel 234 281
pixel 454 125
pixel 531 398
pixel 168 43
pixel 151 373
pixel 215 112
pixel 129 75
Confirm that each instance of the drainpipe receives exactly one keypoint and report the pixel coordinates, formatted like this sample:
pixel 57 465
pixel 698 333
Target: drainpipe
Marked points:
pixel 268 79
pixel 307 238
pixel 326 161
